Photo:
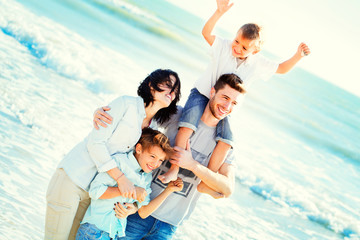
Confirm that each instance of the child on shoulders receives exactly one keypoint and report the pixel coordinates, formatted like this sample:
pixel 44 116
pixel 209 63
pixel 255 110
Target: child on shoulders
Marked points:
pixel 239 56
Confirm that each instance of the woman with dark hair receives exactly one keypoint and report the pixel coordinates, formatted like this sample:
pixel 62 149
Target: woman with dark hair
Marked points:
pixel 67 195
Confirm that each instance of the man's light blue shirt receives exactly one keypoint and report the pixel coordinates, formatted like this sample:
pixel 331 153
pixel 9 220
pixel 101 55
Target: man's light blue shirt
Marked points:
pixel 100 211
pixel 94 153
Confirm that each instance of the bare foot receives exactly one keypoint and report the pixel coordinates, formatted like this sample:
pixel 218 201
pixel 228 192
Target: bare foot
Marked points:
pixel 169 176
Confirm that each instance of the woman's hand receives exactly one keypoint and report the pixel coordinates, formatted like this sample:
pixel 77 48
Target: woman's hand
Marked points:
pixel 124 210
pixel 126 187
pixel 101 117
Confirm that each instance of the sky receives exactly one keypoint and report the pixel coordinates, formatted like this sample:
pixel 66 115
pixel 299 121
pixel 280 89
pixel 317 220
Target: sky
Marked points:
pixel 331 28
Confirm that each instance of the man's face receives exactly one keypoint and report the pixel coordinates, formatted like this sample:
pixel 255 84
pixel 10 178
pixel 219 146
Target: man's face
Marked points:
pixel 222 102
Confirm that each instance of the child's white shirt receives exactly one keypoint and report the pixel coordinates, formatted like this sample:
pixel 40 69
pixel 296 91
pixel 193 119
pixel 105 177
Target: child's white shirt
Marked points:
pixel 222 61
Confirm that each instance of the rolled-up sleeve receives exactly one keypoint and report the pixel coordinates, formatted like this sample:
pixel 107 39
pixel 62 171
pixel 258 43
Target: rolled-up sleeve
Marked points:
pixel 230 158
pixel 100 184
pixel 148 191
pixel 97 140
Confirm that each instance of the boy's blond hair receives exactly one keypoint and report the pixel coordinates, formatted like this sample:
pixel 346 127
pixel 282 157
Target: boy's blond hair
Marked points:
pixel 253 31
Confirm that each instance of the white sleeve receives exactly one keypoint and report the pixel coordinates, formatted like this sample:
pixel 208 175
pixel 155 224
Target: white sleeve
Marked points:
pixel 97 140
pixel 266 68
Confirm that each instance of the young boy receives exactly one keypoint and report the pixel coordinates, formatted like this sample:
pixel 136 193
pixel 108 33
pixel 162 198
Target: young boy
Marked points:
pixel 137 165
pixel 240 57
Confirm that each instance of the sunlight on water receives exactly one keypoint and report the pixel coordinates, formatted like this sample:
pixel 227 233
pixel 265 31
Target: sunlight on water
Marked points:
pixel 298 160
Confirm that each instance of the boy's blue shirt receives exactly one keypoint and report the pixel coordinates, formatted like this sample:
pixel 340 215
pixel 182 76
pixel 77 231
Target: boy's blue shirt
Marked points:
pixel 100 211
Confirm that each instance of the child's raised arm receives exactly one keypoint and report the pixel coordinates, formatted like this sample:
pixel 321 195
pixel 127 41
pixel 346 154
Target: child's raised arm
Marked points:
pixel 284 67
pixel 222 7
pixel 173 186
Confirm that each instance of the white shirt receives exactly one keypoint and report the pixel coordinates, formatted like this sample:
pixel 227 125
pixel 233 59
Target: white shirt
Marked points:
pixel 222 61
pixel 94 153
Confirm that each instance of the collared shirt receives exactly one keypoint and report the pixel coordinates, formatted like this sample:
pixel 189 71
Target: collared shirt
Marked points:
pixel 94 153
pixel 222 61
pixel 100 211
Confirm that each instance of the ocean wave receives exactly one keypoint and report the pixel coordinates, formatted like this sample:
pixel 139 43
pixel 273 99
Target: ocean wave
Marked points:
pixel 137 17
pixel 314 128
pixel 64 51
pixel 316 207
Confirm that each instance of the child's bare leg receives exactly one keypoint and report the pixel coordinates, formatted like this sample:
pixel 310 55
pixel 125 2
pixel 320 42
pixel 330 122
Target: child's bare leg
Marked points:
pixel 181 138
pixel 217 159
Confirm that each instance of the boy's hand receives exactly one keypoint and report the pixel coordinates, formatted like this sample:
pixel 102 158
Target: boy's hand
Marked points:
pixel 126 187
pixel 140 194
pixel 223 5
pixel 303 50
pixel 122 211
pixel 101 117
pixel 175 186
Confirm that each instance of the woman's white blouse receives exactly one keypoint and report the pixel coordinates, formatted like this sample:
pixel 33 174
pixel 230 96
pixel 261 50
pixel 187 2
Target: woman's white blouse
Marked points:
pixel 94 153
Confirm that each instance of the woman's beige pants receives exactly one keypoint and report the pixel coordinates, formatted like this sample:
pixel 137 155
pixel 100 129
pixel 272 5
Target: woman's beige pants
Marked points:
pixel 66 207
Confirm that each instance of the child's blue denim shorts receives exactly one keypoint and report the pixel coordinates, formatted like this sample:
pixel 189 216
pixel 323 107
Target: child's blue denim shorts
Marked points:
pixel 192 112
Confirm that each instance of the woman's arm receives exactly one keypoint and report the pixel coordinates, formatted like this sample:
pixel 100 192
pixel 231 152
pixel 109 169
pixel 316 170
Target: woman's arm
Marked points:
pixel 98 151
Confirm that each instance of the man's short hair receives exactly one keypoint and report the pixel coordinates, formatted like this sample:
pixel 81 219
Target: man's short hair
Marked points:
pixel 230 79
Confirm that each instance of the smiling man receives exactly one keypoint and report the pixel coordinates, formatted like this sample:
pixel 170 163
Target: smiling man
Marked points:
pixel 193 162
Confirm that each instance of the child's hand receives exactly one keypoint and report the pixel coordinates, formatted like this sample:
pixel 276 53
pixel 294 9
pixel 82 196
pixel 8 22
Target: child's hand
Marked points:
pixel 122 211
pixel 303 50
pixel 175 186
pixel 223 5
pixel 101 117
pixel 140 194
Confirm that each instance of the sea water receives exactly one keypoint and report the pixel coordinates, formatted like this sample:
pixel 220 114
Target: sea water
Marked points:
pixel 298 161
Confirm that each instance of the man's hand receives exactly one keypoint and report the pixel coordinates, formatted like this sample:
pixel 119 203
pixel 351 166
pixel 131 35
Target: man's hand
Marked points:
pixel 183 158
pixel 223 5
pixel 175 186
pixel 126 187
pixel 140 194
pixel 101 117
pixel 124 210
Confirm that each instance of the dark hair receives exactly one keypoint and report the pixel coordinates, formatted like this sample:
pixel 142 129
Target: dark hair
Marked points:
pixel 151 137
pixel 152 81
pixel 230 79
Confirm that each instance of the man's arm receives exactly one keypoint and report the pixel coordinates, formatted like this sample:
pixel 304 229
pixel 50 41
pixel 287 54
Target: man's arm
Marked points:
pixel 222 7
pixel 223 181
pixel 286 66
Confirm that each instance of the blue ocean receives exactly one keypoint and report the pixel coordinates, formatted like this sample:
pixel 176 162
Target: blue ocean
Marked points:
pixel 298 157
